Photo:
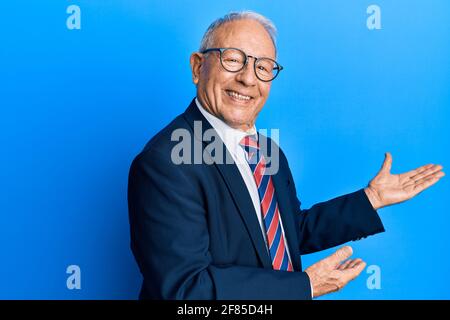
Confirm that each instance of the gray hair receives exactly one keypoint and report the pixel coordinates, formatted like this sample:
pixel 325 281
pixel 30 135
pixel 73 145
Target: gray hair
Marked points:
pixel 208 37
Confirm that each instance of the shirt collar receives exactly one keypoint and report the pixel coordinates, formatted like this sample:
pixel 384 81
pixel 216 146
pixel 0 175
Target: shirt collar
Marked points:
pixel 230 136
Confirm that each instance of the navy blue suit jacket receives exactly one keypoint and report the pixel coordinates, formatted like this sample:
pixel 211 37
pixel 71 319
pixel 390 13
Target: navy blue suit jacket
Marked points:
pixel 195 233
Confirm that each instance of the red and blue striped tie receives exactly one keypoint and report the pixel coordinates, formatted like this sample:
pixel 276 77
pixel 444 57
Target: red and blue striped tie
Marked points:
pixel 269 205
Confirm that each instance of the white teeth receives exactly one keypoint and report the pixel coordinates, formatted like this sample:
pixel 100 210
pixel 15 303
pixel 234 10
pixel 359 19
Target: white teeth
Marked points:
pixel 238 96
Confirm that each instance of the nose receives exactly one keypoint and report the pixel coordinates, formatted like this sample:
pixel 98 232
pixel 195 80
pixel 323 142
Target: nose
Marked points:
pixel 247 75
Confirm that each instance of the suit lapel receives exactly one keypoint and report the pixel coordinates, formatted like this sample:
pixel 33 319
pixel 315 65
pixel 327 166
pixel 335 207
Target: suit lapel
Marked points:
pixel 236 185
pixel 241 196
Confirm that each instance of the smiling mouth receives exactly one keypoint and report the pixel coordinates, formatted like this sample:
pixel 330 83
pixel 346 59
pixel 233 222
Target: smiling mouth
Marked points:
pixel 238 96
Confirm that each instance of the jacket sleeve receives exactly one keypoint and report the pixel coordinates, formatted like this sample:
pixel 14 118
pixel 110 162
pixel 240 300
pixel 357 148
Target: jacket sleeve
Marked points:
pixel 170 241
pixel 337 221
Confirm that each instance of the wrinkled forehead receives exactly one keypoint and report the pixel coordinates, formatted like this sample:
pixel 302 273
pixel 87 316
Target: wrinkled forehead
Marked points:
pixel 247 35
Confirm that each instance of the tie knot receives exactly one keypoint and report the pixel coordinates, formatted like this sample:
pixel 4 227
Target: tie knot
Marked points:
pixel 250 145
pixel 250 142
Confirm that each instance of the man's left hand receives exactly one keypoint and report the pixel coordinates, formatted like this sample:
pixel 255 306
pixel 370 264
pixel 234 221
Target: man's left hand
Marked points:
pixel 387 189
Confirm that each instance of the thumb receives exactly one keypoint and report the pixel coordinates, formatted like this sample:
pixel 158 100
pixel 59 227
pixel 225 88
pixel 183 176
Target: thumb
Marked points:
pixel 387 164
pixel 340 255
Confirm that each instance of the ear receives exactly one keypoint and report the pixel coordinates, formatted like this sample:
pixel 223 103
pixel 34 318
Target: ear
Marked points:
pixel 196 61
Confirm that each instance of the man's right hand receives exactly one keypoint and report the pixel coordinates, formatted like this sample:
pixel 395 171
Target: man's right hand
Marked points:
pixel 333 273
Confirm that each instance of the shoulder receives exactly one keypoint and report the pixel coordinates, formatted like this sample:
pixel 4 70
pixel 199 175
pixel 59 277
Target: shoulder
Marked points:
pixel 161 144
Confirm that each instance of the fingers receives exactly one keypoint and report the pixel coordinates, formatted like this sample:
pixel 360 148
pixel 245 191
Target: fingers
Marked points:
pixel 328 275
pixel 430 169
pixel 350 263
pixel 427 182
pixel 355 262
pixel 412 173
pixel 340 255
pixel 387 164
pixel 344 265
pixel 354 271
pixel 430 176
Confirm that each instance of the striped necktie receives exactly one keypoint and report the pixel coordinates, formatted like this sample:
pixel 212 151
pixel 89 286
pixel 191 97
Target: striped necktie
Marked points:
pixel 269 205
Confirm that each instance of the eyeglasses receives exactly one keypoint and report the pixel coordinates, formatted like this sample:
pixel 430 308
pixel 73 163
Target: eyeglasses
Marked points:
pixel 234 60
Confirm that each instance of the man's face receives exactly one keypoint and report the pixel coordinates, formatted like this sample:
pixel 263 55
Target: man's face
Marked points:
pixel 216 87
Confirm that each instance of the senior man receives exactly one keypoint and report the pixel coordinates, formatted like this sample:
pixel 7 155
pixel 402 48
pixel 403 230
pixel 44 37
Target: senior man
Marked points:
pixel 233 230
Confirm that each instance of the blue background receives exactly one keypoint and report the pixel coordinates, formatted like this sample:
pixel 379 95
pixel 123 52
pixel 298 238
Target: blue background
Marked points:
pixel 78 105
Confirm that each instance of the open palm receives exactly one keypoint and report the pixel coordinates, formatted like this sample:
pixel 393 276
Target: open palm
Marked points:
pixel 386 188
